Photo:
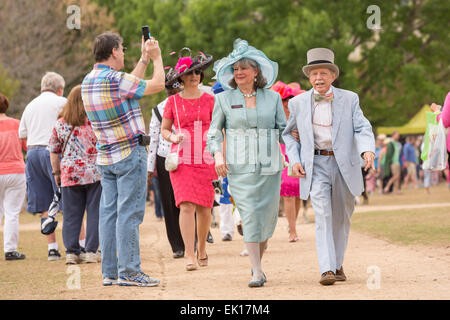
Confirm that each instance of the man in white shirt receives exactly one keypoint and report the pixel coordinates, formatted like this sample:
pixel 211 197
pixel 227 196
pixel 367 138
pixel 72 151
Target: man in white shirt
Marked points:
pixel 36 126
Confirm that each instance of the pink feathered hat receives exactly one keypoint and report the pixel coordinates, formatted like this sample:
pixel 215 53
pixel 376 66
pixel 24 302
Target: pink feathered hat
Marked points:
pixel 287 91
pixel 188 64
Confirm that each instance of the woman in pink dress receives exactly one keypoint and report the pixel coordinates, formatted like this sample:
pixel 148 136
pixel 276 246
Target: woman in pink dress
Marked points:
pixel 290 186
pixel 190 113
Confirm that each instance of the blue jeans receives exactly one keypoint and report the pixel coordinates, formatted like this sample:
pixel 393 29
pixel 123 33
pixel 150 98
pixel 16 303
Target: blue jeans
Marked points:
pixel 122 208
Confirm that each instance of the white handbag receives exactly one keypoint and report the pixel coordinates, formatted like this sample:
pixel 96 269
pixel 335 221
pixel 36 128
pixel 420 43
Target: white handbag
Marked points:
pixel 172 159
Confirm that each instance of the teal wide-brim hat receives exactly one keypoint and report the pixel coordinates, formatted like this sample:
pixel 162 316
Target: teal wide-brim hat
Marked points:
pixel 224 67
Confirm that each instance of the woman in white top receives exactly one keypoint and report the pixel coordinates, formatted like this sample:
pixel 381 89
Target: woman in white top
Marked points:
pixel 158 150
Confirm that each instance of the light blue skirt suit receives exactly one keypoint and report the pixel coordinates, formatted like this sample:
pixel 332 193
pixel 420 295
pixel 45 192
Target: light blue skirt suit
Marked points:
pixel 253 156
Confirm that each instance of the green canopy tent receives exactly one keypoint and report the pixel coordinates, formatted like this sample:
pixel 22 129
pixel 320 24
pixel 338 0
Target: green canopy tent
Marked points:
pixel 417 124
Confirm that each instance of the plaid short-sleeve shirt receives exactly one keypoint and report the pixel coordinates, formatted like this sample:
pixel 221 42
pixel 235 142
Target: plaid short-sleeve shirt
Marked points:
pixel 111 99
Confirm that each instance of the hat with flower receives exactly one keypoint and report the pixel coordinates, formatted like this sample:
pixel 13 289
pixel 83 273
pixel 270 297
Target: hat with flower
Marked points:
pixel 187 64
pixel 287 90
pixel 224 67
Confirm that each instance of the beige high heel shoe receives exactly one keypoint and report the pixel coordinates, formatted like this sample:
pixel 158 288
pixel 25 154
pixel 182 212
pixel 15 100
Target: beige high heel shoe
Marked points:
pixel 191 267
pixel 202 262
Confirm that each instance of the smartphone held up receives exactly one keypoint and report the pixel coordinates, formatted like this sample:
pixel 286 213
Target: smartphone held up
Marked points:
pixel 146 32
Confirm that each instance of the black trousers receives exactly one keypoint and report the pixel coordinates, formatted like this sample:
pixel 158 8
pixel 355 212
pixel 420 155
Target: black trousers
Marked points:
pixel 171 212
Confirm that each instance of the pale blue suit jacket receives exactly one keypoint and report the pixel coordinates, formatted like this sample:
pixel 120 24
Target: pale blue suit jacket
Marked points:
pixel 351 136
pixel 249 148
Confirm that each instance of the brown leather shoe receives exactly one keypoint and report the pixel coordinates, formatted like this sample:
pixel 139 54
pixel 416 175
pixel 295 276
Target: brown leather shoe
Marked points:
pixel 328 278
pixel 340 275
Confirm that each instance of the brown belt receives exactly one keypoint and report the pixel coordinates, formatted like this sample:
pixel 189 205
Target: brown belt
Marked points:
pixel 36 146
pixel 323 152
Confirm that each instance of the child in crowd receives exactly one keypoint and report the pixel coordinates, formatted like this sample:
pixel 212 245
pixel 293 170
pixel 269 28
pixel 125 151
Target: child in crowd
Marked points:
pixel 371 180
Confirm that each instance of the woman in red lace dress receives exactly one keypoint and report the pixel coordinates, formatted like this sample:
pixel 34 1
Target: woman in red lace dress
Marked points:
pixel 190 113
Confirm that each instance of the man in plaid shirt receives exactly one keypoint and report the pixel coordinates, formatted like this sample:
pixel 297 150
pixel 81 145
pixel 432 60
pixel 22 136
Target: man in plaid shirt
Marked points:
pixel 110 99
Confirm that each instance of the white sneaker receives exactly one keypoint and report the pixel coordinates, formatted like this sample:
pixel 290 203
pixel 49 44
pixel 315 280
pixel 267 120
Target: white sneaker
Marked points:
pixel 71 258
pixel 82 257
pixel 139 279
pixel 109 282
pixel 53 255
pixel 90 257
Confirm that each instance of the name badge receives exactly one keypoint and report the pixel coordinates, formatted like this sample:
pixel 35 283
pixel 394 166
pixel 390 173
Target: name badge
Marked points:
pixel 236 106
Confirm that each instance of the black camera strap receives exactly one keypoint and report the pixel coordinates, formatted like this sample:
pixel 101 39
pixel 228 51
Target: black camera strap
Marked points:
pixel 158 115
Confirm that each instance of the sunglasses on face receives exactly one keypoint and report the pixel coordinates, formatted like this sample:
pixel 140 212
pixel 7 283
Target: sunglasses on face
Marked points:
pixel 197 72
pixel 123 49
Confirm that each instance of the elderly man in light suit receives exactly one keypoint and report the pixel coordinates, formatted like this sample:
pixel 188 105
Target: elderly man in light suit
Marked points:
pixel 333 135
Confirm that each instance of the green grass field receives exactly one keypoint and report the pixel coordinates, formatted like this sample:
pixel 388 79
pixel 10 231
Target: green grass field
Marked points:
pixel 407 227
pixel 430 227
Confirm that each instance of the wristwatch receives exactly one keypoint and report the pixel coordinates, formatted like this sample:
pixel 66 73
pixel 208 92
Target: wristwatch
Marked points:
pixel 56 173
pixel 143 61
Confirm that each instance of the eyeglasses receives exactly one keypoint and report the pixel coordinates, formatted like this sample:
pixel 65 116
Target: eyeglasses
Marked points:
pixel 197 72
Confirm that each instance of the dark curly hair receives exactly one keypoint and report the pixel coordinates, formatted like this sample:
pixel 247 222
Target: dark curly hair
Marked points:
pixel 4 103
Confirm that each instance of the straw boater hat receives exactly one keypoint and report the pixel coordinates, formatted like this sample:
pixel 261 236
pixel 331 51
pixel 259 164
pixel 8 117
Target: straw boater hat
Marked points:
pixel 186 65
pixel 320 58
pixel 241 50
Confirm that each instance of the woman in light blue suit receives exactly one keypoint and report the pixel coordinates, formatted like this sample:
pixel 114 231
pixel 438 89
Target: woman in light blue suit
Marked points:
pixel 252 119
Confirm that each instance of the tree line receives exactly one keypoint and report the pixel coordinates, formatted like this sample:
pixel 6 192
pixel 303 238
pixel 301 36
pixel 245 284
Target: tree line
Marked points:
pixel 395 69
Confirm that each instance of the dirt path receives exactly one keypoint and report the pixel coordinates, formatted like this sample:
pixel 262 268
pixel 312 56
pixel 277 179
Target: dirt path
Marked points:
pixel 375 269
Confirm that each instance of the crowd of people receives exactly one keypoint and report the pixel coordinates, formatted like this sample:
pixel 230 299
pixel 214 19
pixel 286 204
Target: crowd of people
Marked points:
pixel 399 165
pixel 242 146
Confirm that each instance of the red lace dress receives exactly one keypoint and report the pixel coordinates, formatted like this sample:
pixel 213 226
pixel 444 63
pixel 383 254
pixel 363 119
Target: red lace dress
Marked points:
pixel 192 180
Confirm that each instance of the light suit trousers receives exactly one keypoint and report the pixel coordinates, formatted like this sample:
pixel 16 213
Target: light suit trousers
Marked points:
pixel 13 188
pixel 226 219
pixel 333 206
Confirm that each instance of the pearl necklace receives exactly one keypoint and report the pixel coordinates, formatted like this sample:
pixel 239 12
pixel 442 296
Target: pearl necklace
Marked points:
pixel 249 95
